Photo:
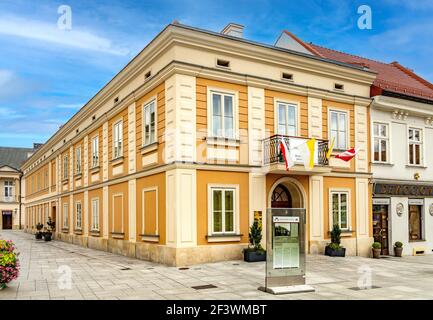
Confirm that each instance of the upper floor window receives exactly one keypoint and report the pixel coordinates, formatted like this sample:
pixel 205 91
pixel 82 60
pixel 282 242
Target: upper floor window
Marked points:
pixel 338 129
pixel 46 178
pixel 8 188
pixel 415 146
pixel 286 119
pixel 65 167
pixel 222 115
pixel 117 139
pixel 95 152
pixel 381 142
pixel 78 161
pixel 149 123
pixel 223 210
pixel 340 209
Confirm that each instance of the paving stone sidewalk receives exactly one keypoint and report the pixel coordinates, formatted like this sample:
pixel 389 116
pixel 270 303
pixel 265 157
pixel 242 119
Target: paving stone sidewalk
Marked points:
pixel 102 275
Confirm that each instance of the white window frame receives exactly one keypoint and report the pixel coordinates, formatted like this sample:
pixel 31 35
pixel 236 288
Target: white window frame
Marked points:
pixel 39 214
pixel 379 137
pixel 338 112
pixel 223 92
pixel 236 209
pixel 420 143
pixel 95 151
pixel 95 215
pixel 78 209
pixel 65 215
pixel 294 104
pixel 146 105
pixel 65 167
pixel 8 189
pixel 78 160
pixel 118 139
pixel 331 216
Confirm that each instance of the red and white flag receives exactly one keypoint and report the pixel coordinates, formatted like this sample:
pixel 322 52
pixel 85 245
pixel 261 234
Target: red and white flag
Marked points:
pixel 288 159
pixel 347 155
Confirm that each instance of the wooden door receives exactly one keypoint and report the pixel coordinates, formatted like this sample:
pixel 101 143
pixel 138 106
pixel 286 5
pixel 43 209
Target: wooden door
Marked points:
pixel 380 227
pixel 7 220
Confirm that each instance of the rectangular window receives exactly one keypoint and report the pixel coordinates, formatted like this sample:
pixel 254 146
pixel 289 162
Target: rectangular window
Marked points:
pixel 65 215
pixel 415 223
pixel 340 209
pixel 39 215
pixel 47 213
pixel 78 161
pixel 381 142
pixel 8 188
pixel 95 152
pixel 415 146
pixel 223 115
pixel 338 129
pixel 223 210
pixel 65 167
pixel 95 214
pixel 149 123
pixel 46 178
pixel 117 139
pixel 78 216
pixel 287 119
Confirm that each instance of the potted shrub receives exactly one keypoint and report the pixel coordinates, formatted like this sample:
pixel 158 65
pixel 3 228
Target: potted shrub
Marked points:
pixel 255 252
pixel 38 234
pixel 334 249
pixel 376 248
pixel 9 264
pixel 48 234
pixel 398 248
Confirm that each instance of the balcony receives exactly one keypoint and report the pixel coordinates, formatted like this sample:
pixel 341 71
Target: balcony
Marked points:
pixel 274 158
pixel 8 198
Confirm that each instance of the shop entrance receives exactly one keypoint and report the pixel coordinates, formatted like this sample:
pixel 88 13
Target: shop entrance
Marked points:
pixel 380 226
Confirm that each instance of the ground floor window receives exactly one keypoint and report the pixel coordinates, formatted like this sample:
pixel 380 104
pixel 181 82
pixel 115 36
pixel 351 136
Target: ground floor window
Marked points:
pixel 65 215
pixel 95 214
pixel 223 210
pixel 78 218
pixel 415 223
pixel 339 208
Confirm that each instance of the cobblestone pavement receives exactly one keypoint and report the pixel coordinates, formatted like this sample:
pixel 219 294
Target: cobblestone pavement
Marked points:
pixel 102 275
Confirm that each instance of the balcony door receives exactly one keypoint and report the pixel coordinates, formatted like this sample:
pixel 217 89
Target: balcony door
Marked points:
pixel 286 119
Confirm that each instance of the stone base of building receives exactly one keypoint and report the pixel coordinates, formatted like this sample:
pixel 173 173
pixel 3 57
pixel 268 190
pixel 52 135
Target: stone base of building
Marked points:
pixel 158 253
pixel 354 247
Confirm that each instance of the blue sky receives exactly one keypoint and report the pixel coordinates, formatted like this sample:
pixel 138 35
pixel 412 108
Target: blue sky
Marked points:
pixel 47 74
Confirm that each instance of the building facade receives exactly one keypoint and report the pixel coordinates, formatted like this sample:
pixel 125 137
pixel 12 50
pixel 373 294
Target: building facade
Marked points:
pixel 11 190
pixel 401 127
pixel 178 154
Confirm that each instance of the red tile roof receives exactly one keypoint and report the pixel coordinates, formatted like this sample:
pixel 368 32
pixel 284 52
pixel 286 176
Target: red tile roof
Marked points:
pixel 390 76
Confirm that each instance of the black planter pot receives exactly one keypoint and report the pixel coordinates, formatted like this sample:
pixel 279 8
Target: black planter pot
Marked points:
pixel 47 236
pixel 335 253
pixel 38 235
pixel 254 256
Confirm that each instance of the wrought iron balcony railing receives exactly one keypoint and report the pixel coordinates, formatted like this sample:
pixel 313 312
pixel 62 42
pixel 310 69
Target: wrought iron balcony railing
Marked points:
pixel 272 150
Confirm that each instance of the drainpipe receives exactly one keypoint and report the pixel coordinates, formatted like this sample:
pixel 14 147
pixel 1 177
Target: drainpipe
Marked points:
pixel 19 197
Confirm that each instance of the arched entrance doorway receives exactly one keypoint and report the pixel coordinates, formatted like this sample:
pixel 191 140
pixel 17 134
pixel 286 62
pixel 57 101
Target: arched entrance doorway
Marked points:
pixel 287 193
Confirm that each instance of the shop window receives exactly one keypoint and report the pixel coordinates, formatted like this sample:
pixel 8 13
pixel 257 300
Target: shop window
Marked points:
pixel 415 223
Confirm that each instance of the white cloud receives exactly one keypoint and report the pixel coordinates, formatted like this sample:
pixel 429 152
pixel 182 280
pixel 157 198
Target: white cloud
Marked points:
pixel 9 114
pixel 49 32
pixel 72 106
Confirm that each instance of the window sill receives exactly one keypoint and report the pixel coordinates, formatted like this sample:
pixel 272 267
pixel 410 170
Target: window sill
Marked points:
pixel 344 233
pixel 415 241
pixel 225 237
pixel 94 169
pixel 419 166
pixel 65 181
pixel 221 141
pixel 95 233
pixel 117 161
pixel 78 231
pixel 118 235
pixel 387 164
pixel 65 230
pixel 149 148
pixel 78 176
pixel 150 237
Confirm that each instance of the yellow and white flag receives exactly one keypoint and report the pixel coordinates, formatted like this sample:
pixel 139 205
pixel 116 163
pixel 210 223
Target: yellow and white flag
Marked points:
pixel 331 147
pixel 307 151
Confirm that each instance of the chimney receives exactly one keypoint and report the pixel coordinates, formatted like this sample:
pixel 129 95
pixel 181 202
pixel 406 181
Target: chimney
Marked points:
pixel 233 30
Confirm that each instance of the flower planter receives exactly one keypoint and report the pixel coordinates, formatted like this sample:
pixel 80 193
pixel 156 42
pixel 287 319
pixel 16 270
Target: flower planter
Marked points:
pixel 335 253
pixel 38 235
pixel 9 264
pixel 254 256
pixel 376 253
pixel 47 236
pixel 398 251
